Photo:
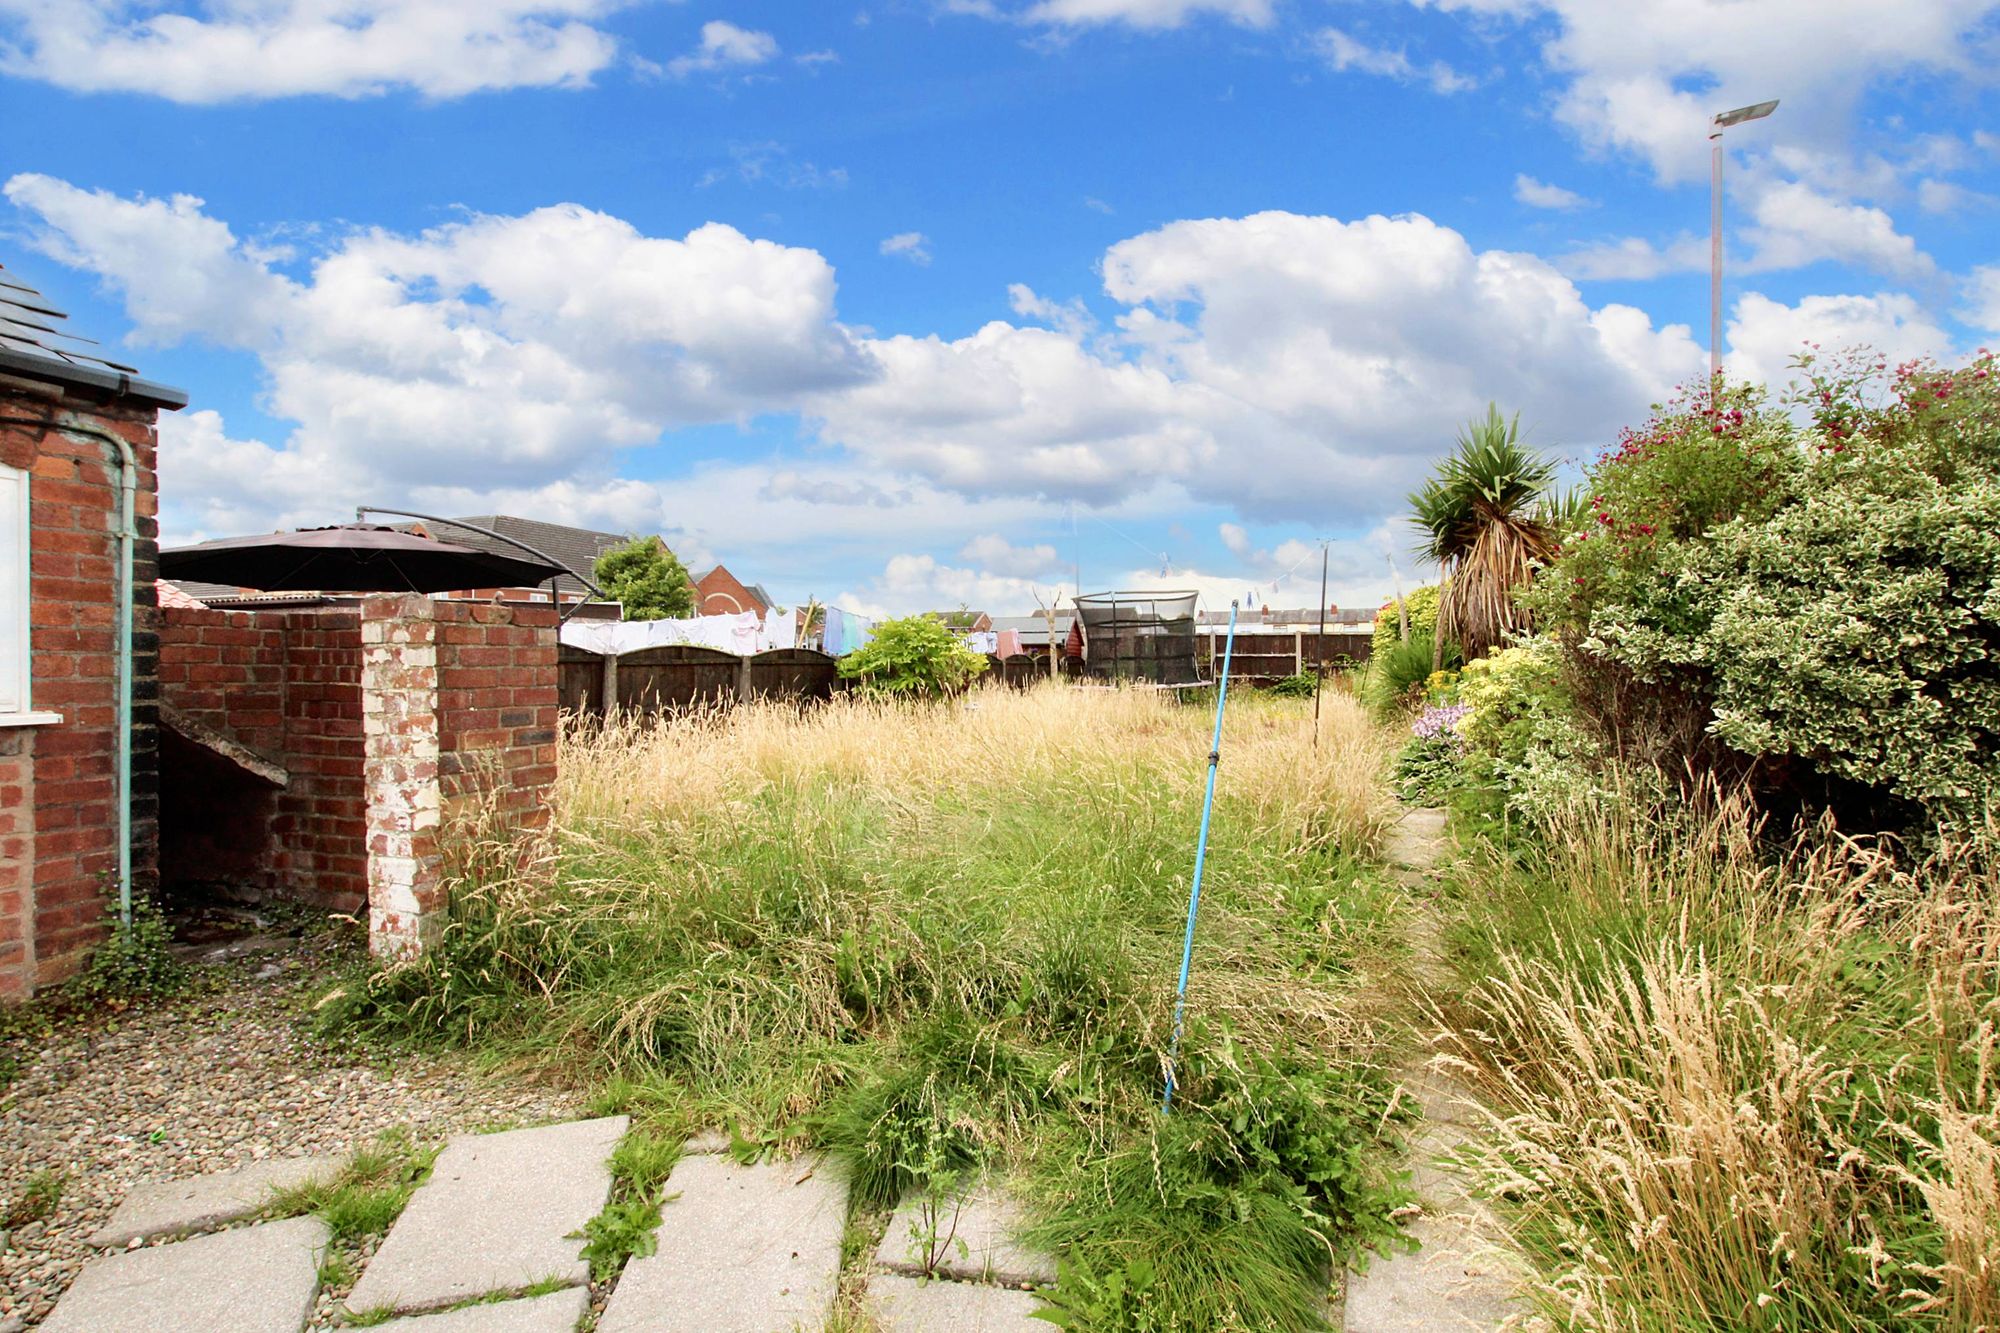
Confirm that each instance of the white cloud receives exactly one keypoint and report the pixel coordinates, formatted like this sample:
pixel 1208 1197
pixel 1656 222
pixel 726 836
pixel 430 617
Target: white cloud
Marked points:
pixel 996 555
pixel 1540 194
pixel 1797 225
pixel 723 45
pixel 1144 14
pixel 1980 299
pixel 1645 78
pixel 1632 258
pixel 1283 364
pixel 520 350
pixel 1764 335
pixel 1941 196
pixel 204 51
pixel 911 245
pixel 771 163
pixel 1343 53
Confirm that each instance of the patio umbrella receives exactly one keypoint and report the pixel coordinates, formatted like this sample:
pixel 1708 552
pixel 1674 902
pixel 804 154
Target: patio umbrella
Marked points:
pixel 358 557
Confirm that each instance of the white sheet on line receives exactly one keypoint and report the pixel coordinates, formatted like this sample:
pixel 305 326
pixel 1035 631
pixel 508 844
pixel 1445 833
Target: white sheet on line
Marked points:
pixel 745 635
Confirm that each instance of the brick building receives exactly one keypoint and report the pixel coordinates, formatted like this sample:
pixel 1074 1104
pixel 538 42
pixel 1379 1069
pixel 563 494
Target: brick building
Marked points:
pixel 717 592
pixel 318 752
pixel 78 637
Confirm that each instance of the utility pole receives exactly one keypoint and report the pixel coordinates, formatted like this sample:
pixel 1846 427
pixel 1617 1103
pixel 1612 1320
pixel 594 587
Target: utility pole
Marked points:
pixel 1721 122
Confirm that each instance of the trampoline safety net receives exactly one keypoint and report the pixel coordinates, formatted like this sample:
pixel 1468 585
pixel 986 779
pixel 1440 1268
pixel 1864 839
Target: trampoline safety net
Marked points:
pixel 1145 636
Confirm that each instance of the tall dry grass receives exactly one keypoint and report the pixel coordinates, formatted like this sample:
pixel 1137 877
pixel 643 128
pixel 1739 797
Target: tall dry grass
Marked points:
pixel 1002 745
pixel 1742 1088
pixel 943 939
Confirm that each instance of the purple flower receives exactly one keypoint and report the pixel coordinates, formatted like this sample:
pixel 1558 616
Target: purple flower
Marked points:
pixel 1440 722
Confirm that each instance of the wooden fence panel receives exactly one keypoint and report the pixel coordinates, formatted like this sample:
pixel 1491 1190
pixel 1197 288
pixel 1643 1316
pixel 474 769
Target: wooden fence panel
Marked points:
pixel 797 673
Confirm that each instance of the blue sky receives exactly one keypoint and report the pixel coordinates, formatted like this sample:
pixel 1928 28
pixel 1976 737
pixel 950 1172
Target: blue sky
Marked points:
pixel 931 302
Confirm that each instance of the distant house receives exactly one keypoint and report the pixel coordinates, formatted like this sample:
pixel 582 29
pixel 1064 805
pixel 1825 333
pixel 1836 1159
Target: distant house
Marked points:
pixel 79 630
pixel 717 592
pixel 576 548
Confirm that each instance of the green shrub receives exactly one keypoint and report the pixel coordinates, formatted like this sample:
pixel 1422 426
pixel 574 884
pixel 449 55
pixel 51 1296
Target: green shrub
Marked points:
pixel 1300 686
pixel 1810 605
pixel 135 961
pixel 1397 677
pixel 917 656
pixel 1420 606
pixel 647 578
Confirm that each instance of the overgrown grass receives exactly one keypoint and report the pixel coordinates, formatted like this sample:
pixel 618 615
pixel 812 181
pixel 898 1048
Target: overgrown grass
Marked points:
pixel 367 1194
pixel 1744 1087
pixel 943 939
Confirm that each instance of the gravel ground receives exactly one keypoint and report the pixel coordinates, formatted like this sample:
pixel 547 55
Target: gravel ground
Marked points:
pixel 223 1077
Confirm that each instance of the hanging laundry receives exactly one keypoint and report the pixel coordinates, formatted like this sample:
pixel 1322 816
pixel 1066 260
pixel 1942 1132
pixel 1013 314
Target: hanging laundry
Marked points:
pixel 1009 643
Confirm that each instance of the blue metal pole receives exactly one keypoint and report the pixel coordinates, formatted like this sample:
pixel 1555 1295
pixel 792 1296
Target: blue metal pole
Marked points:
pixel 1200 859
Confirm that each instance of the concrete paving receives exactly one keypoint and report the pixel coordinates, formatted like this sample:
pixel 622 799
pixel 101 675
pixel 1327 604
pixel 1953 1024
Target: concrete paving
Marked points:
pixel 743 1249
pixel 496 1215
pixel 1466 1274
pixel 908 1305
pixel 256 1279
pixel 983 1222
pixel 202 1203
pixel 557 1312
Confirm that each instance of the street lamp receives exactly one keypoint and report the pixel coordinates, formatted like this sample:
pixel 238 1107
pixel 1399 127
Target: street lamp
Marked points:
pixel 1721 123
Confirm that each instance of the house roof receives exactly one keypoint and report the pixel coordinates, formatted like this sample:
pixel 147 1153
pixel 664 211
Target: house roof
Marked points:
pixel 578 548
pixel 756 590
pixel 34 344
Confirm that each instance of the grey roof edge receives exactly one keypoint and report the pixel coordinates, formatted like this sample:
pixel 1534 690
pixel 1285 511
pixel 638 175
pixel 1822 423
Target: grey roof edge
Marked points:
pixel 64 372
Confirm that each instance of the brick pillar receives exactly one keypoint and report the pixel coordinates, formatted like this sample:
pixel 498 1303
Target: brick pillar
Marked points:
pixel 399 722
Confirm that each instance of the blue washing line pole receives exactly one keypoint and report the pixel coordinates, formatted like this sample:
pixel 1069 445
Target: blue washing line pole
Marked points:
pixel 1200 858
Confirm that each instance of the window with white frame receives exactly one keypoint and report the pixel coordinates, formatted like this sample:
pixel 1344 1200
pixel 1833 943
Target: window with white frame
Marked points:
pixel 14 595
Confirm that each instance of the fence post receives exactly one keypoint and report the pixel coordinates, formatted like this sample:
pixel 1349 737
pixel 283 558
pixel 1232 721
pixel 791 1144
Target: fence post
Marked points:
pixel 743 679
pixel 1299 653
pixel 609 688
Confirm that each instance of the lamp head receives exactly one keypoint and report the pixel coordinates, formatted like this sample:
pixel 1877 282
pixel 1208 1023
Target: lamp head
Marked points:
pixel 1743 113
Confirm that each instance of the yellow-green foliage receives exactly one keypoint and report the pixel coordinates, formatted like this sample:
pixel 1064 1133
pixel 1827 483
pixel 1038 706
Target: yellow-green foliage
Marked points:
pixel 1421 606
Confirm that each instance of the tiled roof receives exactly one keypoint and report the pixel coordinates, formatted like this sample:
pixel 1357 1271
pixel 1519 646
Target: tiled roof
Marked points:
pixel 577 548
pixel 33 342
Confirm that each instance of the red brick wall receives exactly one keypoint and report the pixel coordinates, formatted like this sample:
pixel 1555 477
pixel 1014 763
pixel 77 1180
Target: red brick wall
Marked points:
pixel 286 684
pixel 497 703
pixel 729 595
pixel 58 783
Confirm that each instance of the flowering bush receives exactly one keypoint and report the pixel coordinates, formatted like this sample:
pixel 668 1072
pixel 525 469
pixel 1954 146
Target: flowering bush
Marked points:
pixel 1811 600
pixel 1427 769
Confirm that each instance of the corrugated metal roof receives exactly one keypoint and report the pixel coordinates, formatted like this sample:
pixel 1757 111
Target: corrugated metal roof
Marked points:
pixel 33 342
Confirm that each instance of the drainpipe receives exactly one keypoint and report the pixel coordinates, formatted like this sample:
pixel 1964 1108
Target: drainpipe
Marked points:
pixel 128 534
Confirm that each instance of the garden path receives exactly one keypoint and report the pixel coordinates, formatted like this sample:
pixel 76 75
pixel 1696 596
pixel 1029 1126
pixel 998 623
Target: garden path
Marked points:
pixel 489 1244
pixel 1465 1275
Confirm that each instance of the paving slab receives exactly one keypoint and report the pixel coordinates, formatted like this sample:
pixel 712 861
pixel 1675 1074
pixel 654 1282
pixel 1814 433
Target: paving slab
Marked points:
pixel 909 1305
pixel 257 1279
pixel 556 1312
pixel 202 1203
pixel 1465 1274
pixel 495 1215
pixel 743 1249
pixel 984 1222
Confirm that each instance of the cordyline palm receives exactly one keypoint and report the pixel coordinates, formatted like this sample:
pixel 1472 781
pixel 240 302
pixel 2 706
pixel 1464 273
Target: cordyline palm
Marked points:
pixel 1488 521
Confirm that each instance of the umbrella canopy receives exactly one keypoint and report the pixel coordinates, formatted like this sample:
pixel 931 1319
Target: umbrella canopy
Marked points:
pixel 356 558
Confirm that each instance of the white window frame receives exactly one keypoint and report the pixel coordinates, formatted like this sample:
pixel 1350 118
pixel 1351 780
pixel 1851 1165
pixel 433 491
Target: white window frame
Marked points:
pixel 17 603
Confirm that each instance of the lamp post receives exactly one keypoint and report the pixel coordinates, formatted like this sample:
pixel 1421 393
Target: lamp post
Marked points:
pixel 1716 127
